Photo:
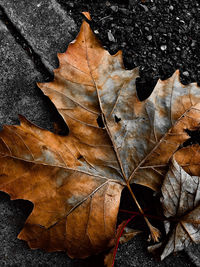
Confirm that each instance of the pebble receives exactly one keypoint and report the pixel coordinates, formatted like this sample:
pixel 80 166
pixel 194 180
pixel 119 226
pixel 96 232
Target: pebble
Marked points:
pixel 193 43
pixel 153 8
pixel 144 7
pixel 186 73
pixel 71 4
pixel 149 37
pixel 114 8
pixel 163 47
pixel 111 38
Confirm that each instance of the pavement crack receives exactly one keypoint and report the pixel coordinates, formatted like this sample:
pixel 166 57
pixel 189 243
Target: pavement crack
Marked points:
pixel 19 38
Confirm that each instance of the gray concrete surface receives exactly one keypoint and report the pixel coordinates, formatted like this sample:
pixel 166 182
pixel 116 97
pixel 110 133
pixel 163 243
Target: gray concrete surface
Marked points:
pixel 18 91
pixel 44 24
pixel 19 94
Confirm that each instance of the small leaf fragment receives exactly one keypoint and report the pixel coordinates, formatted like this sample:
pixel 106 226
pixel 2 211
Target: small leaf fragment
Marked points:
pixel 128 234
pixel 181 199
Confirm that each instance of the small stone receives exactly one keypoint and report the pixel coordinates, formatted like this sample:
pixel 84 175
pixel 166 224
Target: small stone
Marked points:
pixel 124 11
pixel 163 47
pixel 111 38
pixel 178 48
pixel 186 73
pixel 114 8
pixel 193 43
pixel 149 37
pixel 144 7
pixel 71 4
pixel 171 8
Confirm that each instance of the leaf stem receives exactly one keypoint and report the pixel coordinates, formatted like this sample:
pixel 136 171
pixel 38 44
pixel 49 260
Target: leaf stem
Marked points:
pixel 155 233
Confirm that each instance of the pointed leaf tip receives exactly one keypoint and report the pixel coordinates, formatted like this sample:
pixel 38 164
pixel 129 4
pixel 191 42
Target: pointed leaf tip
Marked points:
pixel 87 15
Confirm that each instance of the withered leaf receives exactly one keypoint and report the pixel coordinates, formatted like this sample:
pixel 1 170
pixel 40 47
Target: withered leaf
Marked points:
pixel 90 83
pixel 75 181
pixel 181 199
pixel 75 204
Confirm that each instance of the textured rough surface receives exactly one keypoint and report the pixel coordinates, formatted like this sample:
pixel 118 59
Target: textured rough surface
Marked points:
pixel 18 91
pixel 44 24
pixel 135 259
pixel 193 252
pixel 141 30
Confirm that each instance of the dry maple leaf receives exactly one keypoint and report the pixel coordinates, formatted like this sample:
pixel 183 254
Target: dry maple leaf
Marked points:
pixel 181 199
pixel 75 181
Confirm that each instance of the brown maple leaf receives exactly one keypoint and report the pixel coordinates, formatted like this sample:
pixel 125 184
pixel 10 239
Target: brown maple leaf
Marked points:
pixel 75 181
pixel 181 200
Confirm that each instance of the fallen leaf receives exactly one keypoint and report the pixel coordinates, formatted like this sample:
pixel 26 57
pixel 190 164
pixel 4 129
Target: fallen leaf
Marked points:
pixel 75 181
pixel 90 83
pixel 181 200
pixel 75 205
